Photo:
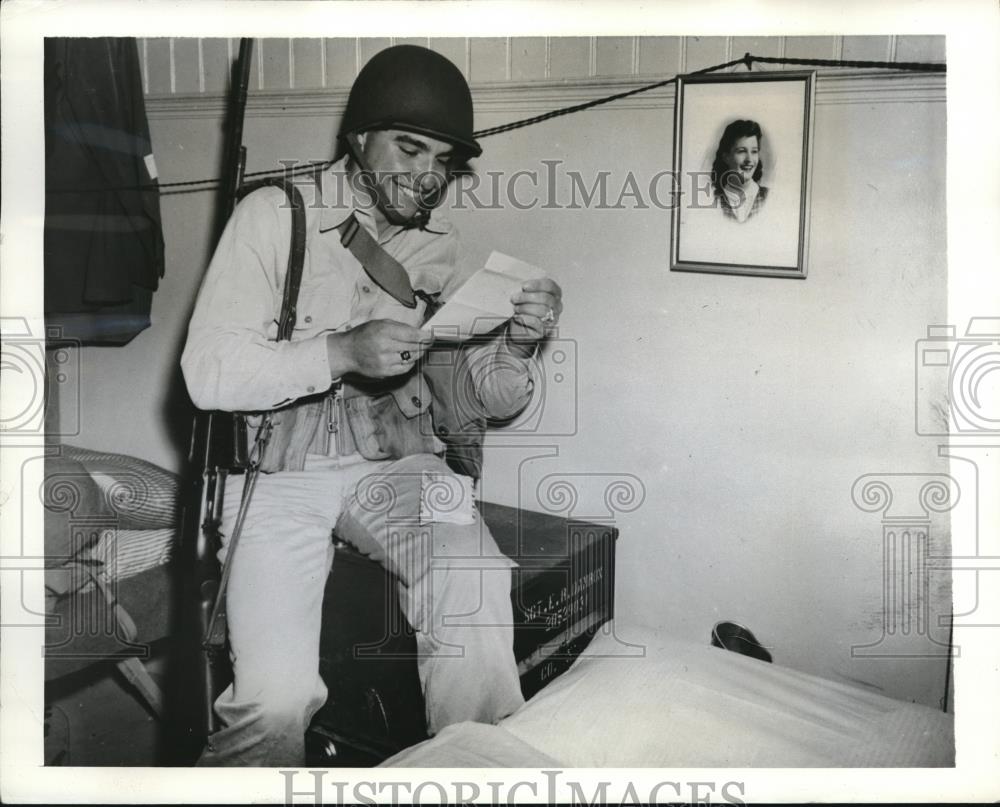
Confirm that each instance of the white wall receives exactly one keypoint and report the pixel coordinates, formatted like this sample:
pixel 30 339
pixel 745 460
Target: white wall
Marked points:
pixel 749 406
pixel 745 407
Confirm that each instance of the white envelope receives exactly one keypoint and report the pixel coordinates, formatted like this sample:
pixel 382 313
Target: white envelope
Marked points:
pixel 483 302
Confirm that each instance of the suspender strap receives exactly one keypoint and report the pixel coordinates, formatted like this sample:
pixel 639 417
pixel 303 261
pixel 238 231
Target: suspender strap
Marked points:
pixel 215 634
pixel 381 267
pixel 296 251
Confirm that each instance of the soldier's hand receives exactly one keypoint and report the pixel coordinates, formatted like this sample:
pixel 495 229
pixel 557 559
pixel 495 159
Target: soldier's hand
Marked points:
pixel 382 348
pixel 536 307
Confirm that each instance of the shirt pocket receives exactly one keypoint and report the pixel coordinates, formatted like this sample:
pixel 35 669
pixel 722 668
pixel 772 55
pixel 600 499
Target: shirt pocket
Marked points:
pixel 314 312
pixel 412 398
pixel 366 417
pixel 393 424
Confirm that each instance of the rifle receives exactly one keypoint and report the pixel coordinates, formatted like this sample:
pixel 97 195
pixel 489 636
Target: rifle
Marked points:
pixel 218 439
pixel 219 444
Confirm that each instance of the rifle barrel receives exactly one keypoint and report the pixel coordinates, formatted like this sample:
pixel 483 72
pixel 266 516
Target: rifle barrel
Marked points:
pixel 234 134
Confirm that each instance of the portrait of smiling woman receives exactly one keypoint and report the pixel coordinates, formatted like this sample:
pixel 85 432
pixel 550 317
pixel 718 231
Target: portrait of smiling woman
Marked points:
pixel 742 147
pixel 737 171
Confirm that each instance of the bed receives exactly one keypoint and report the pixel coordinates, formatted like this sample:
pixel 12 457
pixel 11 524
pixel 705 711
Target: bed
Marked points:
pixel 111 533
pixel 633 698
pixel 637 699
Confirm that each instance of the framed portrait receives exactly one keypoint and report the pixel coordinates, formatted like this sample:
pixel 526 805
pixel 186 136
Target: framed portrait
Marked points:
pixel 742 163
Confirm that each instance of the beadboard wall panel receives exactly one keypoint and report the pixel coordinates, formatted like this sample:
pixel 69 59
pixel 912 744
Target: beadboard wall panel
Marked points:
pixel 180 66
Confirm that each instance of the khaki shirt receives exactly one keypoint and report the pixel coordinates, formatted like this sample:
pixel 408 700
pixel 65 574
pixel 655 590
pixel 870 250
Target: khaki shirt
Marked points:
pixel 231 360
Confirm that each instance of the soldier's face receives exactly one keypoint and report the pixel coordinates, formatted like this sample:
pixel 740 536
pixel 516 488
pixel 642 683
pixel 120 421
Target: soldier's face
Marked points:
pixel 411 169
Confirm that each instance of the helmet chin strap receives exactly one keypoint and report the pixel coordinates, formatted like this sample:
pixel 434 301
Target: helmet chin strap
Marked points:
pixel 371 184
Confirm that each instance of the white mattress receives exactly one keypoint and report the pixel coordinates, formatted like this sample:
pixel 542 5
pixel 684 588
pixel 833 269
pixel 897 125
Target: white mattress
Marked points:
pixel 472 745
pixel 686 705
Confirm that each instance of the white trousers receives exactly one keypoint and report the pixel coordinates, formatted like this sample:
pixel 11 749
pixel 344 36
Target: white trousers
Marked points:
pixel 454 590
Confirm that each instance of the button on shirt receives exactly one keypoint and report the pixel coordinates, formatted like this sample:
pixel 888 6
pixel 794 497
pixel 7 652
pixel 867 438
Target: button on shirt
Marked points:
pixel 231 360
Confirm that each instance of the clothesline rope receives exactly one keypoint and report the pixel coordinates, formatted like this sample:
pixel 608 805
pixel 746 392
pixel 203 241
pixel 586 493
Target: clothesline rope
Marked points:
pixel 748 59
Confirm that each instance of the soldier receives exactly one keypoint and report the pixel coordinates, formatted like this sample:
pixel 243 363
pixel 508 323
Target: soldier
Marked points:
pixel 359 414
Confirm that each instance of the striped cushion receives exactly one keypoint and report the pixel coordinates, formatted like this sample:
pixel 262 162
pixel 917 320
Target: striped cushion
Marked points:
pixel 126 553
pixel 142 496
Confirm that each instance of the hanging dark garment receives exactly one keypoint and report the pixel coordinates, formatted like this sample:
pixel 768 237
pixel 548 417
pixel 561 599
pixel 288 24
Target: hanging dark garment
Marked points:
pixel 103 239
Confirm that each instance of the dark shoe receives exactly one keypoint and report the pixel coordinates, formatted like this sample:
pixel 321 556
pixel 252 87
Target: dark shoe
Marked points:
pixel 730 636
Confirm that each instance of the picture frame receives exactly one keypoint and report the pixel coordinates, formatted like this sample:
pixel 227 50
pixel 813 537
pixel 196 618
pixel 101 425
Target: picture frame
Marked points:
pixel 742 167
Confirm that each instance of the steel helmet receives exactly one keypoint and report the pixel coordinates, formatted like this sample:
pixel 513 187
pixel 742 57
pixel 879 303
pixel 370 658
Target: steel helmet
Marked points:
pixel 415 89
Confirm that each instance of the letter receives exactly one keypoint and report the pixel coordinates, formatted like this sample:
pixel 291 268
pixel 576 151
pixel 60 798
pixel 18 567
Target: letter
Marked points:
pixel 516 785
pixel 466 185
pixel 698 189
pixel 631 188
pixel 732 183
pixel 577 796
pixel 289 166
pixel 510 189
pixel 674 192
pixel 317 791
pixel 495 189
pixel 551 777
pixel 394 188
pixel 695 798
pixel 338 789
pixel 366 201
pixel 492 204
pixel 551 203
pixel 495 791
pixel 357 792
pixel 430 783
pixel 655 792
pixel 728 797
pixel 394 787
pixel 577 182
pixel 630 791
pixel 461 798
